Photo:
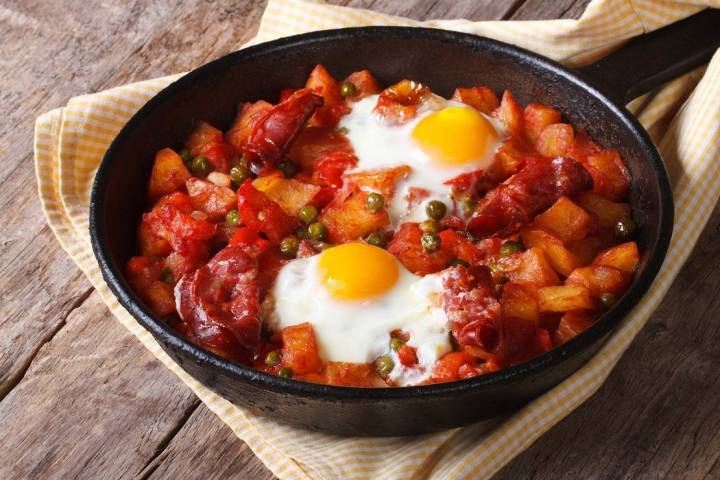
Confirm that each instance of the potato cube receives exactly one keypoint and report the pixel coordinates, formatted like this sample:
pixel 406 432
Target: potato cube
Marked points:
pixel 571 325
pixel 536 117
pixel 529 266
pixel 203 135
pixel 565 298
pixel 168 175
pixel 519 300
pixel 510 114
pixel 561 259
pixel 606 211
pixel 624 257
pixel 555 140
pixel 299 350
pixel 600 279
pixel 480 98
pixel 565 220
pixel 611 178
pixel 292 195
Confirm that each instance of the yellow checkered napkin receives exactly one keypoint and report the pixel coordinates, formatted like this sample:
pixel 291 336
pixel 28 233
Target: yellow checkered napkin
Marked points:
pixel 683 118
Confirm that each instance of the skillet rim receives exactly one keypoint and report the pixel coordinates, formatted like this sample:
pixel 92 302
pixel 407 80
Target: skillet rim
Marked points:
pixel 169 339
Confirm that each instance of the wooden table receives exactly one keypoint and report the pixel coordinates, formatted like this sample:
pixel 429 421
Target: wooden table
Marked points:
pixel 81 398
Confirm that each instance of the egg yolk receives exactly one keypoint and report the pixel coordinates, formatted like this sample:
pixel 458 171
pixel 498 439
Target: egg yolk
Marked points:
pixel 454 135
pixel 356 271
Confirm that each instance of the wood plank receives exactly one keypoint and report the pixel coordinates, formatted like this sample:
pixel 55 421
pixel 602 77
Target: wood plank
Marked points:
pixel 438 9
pixel 544 10
pixel 93 403
pixel 205 449
pixel 656 416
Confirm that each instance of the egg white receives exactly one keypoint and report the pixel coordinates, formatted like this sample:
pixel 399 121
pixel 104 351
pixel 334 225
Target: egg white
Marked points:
pixel 378 144
pixel 359 331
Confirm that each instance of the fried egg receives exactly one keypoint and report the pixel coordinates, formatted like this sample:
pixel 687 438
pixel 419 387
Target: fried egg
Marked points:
pixel 354 295
pixel 445 139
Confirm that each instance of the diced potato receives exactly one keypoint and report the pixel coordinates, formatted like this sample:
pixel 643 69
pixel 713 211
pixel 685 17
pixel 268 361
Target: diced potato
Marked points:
pixel 212 199
pixel 321 82
pixel 538 116
pixel 248 116
pixel 565 298
pixel 351 375
pixel 299 350
pixel 561 259
pixel 348 218
pixel 203 135
pixel 529 266
pixel 587 248
pixel 613 181
pixel 314 142
pixel 152 245
pixel 365 84
pixel 379 180
pixel 292 195
pixel 169 174
pixel 160 298
pixel 583 146
pixel 624 257
pixel 600 279
pixel 519 300
pixel 480 98
pixel 565 220
pixel 555 140
pixel 571 325
pixel 510 113
pixel 606 211
pixel 509 158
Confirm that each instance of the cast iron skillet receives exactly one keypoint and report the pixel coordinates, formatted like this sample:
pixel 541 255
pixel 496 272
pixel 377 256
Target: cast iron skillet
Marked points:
pixel 590 98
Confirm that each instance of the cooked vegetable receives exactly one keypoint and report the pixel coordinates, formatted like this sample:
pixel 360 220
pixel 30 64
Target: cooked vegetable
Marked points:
pixel 384 365
pixel 347 89
pixel 436 209
pixel 510 247
pixel 430 242
pixel 289 246
pixel 375 202
pixel 308 214
pixel 200 166
pixel 316 231
pixel 232 218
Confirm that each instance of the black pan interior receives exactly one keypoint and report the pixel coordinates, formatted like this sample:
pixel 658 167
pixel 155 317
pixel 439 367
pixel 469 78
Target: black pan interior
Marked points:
pixel 444 61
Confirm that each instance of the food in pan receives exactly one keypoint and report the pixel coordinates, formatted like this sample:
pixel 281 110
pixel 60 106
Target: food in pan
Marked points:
pixel 363 236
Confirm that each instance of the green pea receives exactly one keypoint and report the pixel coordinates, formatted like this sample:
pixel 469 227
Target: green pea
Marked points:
pixel 430 242
pixel 186 157
pixel 316 231
pixel 468 205
pixel 289 168
pixel 272 358
pixel 242 162
pixel 376 238
pixel 430 226
pixel 302 233
pixel 167 275
pixel 289 246
pixel 347 89
pixel 396 344
pixel 200 166
pixel 232 218
pixel 625 229
pixel 436 209
pixel 494 267
pixel 459 262
pixel 375 202
pixel 510 247
pixel 285 372
pixel 384 365
pixel 608 299
pixel 344 130
pixel 239 174
pixel 308 214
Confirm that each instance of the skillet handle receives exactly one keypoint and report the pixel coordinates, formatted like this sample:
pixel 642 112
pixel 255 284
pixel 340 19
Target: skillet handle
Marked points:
pixel 650 60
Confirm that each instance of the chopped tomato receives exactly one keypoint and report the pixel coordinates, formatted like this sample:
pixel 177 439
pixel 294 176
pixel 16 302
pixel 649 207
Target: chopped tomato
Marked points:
pixel 299 350
pixel 398 103
pixel 261 214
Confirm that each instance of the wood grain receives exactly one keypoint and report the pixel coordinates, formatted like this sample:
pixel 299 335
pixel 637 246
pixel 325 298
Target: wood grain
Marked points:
pixel 93 403
pixel 83 399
